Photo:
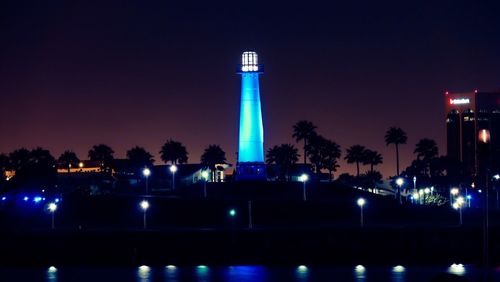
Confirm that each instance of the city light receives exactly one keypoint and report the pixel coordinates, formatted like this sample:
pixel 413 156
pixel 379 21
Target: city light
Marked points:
pixel 457 269
pixel 303 178
pixel 232 212
pixel 361 202
pixel 144 205
pixel 398 269
pixel 4 198
pixel 454 191
pixel 173 170
pixel 52 207
pixel 26 198
pixel 205 174
pixel 399 181
pixel 146 172
pixel 302 268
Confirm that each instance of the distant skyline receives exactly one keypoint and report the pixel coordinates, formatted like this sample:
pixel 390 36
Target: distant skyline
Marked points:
pixel 128 73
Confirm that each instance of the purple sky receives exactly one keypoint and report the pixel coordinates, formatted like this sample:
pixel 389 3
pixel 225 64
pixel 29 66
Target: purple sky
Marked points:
pixel 132 73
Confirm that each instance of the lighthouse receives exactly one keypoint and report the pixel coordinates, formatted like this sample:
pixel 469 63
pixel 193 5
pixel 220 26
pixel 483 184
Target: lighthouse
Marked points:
pixel 250 164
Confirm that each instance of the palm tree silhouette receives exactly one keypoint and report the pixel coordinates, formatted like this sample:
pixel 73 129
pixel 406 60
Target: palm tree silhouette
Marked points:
pixel 372 158
pixel 396 136
pixel 426 150
pixel 284 157
pixel 103 154
pixel 174 152
pixel 68 159
pixel 139 158
pixel 304 130
pixel 355 154
pixel 212 156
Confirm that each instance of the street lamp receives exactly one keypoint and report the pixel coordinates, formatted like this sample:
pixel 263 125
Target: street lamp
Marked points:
pixel 304 177
pixel 52 209
pixel 146 172
pixel 173 170
pixel 361 202
pixel 458 206
pixel 453 194
pixel 414 183
pixel 144 206
pixel 205 174
pixel 399 182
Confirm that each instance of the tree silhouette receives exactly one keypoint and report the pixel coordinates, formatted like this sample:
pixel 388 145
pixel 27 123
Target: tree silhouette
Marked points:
pixel 212 156
pixel 283 157
pixel 304 130
pixel 139 158
pixel 355 154
pixel 372 158
pixel 323 154
pixel 19 158
pixel 174 152
pixel 68 159
pixel 103 154
pixel 426 151
pixel 396 136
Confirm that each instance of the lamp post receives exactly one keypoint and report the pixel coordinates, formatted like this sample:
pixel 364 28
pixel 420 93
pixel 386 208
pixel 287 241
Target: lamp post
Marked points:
pixel 204 175
pixel 173 170
pixel 144 206
pixel 361 202
pixel 304 177
pixel 497 177
pixel 146 172
pixel 52 209
pixel 453 194
pixel 458 206
pixel 414 183
pixel 399 182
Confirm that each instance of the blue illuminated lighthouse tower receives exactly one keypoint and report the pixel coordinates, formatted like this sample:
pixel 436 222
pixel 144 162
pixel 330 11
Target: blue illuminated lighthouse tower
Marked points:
pixel 250 164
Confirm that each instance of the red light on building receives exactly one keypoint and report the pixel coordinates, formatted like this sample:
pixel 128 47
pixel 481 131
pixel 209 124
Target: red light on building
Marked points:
pixel 484 136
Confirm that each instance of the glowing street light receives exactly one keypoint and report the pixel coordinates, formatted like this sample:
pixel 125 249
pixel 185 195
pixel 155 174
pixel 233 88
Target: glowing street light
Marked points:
pixel 173 170
pixel 399 182
pixel 303 178
pixel 232 213
pixel 144 206
pixel 361 202
pixel 52 209
pixel 204 175
pixel 146 172
pixel 453 194
pixel 458 206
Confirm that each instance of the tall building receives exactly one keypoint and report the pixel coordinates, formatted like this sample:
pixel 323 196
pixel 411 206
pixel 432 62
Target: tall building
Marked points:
pixel 250 164
pixel 473 129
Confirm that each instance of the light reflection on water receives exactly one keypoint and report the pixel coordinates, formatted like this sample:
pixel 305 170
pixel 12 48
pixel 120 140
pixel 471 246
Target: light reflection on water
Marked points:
pixel 242 273
pixel 144 274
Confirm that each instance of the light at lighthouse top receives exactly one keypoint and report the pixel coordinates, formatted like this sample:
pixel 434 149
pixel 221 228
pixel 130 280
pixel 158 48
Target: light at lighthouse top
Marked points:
pixel 249 62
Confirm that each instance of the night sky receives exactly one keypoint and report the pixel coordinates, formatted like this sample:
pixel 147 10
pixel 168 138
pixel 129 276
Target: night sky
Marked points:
pixel 74 74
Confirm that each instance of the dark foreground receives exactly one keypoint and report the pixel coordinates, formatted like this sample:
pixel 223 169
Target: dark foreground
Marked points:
pixel 190 230
pixel 345 246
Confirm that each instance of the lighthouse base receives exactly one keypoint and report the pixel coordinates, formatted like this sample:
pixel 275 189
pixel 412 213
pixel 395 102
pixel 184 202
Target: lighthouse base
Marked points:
pixel 250 171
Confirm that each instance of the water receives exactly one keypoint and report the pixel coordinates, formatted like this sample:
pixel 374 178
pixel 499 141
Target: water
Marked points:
pixel 240 273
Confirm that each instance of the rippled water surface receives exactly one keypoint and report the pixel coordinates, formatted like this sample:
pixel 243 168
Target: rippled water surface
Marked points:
pixel 243 273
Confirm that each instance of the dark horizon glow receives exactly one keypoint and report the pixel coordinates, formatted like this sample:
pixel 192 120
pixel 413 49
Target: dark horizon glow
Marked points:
pixel 128 73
